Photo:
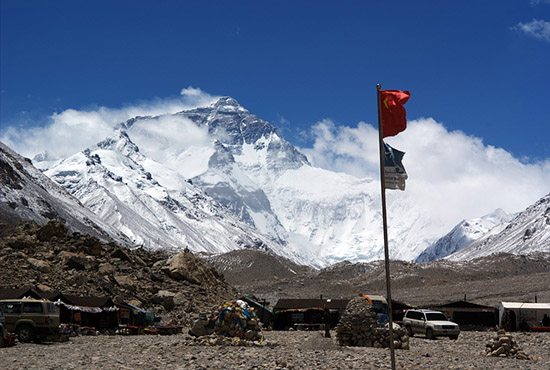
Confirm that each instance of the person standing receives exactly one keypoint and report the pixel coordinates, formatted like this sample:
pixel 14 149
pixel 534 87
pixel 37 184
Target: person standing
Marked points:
pixel 327 320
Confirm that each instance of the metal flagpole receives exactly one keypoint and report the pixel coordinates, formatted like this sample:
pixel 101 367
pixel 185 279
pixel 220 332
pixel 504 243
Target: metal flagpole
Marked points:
pixel 385 223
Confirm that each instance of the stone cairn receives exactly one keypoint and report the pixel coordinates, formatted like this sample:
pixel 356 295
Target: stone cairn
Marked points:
pixel 504 345
pixel 235 319
pixel 359 327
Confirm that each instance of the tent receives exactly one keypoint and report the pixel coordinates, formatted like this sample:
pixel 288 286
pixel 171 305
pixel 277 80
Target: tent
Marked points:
pixel 97 312
pixel 306 313
pixel 521 315
pixel 467 313
pixel 9 293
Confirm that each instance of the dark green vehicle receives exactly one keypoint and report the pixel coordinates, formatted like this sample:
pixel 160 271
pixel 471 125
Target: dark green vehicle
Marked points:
pixel 30 319
pixel 3 331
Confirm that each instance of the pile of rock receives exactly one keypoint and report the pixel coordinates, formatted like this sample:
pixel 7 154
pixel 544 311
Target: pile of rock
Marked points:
pixel 233 319
pixel 51 258
pixel 504 345
pixel 359 327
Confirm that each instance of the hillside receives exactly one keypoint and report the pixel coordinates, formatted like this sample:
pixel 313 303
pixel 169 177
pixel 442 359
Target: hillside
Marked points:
pixel 487 280
pixel 49 258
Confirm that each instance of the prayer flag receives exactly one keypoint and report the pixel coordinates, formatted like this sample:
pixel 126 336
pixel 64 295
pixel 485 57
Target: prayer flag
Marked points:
pixel 394 172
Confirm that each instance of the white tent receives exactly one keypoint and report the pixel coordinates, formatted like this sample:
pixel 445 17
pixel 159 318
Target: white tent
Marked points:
pixel 511 314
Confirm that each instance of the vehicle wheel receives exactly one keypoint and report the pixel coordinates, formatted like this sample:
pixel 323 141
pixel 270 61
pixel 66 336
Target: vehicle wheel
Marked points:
pixel 410 331
pixel 430 333
pixel 25 333
pixel 453 337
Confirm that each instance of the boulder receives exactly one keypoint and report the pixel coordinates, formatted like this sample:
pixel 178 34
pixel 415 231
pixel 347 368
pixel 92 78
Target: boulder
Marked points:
pixel 40 265
pixel 186 266
pixel 202 327
pixel 106 269
pixel 126 282
pixel 165 298
pixel 121 254
pixel 51 229
pixel 180 299
pixel 93 247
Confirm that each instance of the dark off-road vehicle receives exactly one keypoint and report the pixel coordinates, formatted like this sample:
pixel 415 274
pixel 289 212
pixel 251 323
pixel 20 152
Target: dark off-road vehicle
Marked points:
pixel 3 331
pixel 30 319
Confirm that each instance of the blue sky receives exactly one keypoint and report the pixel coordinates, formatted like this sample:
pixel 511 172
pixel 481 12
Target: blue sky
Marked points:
pixel 479 69
pixel 292 63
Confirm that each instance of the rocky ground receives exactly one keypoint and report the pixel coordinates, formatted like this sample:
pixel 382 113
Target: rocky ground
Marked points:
pixel 303 350
pixel 48 258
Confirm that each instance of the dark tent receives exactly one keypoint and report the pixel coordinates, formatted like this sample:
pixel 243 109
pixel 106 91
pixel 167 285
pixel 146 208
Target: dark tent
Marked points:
pixel 306 313
pixel 93 312
pixel 9 293
pixel 399 309
pixel 469 314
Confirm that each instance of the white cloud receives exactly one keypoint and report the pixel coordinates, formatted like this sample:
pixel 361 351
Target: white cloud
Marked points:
pixel 172 134
pixel 453 175
pixel 191 91
pixel 345 149
pixel 73 130
pixel 538 29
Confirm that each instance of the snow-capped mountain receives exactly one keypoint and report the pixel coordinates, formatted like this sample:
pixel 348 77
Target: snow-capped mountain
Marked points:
pixel 244 162
pixel 465 233
pixel 308 214
pixel 28 194
pixel 528 232
pixel 151 204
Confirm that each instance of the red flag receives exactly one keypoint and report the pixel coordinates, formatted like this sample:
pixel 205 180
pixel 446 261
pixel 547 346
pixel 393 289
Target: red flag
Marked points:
pixel 392 112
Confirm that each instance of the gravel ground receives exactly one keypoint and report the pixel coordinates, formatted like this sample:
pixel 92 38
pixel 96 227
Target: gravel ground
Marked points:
pixel 281 351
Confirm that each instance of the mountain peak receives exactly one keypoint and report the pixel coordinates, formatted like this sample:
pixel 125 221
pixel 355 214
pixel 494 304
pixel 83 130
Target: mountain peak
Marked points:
pixel 226 100
pixel 121 141
pixel 228 104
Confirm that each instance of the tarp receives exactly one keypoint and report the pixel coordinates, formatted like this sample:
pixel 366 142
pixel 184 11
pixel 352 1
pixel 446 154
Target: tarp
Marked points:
pixel 135 308
pixel 85 309
pixel 525 305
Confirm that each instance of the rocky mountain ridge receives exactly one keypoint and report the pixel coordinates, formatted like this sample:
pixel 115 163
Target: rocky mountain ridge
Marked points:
pixel 27 194
pixel 465 233
pixel 528 231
